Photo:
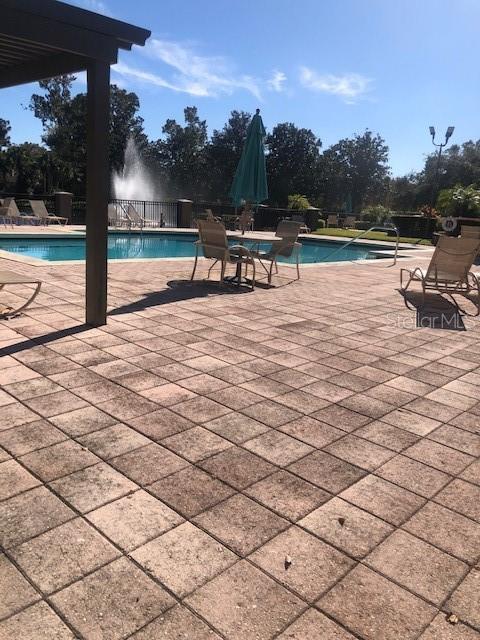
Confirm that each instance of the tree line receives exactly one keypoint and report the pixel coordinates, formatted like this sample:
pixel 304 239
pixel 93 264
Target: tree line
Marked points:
pixel 186 162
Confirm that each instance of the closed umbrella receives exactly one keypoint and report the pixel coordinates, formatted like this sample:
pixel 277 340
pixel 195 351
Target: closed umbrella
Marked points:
pixel 250 181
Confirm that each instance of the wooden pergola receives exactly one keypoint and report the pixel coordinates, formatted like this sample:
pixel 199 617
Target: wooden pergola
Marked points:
pixel 42 39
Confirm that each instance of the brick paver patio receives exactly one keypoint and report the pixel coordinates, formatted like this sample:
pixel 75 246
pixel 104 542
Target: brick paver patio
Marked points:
pixel 297 463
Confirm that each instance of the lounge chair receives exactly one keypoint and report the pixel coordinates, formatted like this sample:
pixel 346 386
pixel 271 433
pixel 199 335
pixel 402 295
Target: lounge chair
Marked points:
pixel 10 277
pixel 301 220
pixel 117 216
pixel 10 212
pixel 138 219
pixel 332 220
pixel 349 222
pixel 449 269
pixel 287 245
pixel 40 211
pixel 213 244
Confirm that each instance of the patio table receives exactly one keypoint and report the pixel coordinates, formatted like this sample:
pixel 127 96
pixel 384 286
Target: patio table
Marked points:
pixel 241 238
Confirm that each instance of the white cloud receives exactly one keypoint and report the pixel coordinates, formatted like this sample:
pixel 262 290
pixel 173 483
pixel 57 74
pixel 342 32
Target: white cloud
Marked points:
pixel 94 5
pixel 350 86
pixel 277 81
pixel 188 72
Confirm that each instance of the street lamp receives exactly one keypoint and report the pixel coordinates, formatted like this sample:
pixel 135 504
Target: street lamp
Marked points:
pixel 448 135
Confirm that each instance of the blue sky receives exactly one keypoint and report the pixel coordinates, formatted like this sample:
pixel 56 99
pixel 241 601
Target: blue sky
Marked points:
pixel 335 66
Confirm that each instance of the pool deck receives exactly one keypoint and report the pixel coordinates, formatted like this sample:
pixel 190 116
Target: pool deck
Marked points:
pixel 300 462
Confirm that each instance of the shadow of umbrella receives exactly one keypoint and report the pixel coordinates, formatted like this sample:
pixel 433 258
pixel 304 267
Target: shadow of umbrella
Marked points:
pixel 436 313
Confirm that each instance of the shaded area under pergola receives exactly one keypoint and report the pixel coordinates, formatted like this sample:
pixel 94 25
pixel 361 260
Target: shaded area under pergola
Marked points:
pixel 41 39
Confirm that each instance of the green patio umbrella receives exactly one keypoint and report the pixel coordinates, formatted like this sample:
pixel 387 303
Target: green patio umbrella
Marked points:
pixel 250 181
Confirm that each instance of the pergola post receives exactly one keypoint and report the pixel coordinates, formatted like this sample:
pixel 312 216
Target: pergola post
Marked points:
pixel 98 190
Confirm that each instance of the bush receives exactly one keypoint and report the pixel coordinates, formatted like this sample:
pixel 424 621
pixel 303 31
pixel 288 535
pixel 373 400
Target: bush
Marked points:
pixel 375 214
pixel 459 201
pixel 362 225
pixel 320 223
pixel 298 202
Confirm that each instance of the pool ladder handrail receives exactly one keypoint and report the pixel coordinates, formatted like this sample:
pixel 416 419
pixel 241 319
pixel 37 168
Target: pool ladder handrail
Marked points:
pixel 374 228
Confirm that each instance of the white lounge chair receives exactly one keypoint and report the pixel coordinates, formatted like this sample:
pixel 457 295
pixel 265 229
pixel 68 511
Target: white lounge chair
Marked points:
pixel 10 277
pixel 40 211
pixel 138 219
pixel 117 216
pixel 214 245
pixel 9 211
pixel 449 270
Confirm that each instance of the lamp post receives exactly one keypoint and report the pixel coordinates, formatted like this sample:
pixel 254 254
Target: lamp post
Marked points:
pixel 448 135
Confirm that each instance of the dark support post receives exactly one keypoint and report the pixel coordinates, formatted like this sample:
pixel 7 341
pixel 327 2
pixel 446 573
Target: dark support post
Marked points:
pixel 98 188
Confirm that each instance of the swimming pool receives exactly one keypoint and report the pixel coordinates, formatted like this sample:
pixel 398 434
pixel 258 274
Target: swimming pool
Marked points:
pixel 123 246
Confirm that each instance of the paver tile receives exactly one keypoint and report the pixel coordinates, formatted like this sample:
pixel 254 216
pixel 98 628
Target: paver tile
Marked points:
pixel 465 600
pixel 414 476
pixel 441 629
pixel 315 566
pixel 418 566
pixel 177 623
pixel 113 441
pixel 240 523
pixel 196 443
pixel 351 529
pixel 184 558
pixel 15 592
pixel 29 514
pixel 383 499
pixel 190 491
pixel 237 467
pixel 447 530
pixel 112 602
pixel 243 603
pixel 287 495
pixel 236 427
pixel 38 622
pixel 148 464
pixel 326 471
pixel 278 448
pixel 463 497
pixel 58 460
pixel 58 557
pixel 15 479
pixel 375 608
pixel 89 488
pixel 313 625
pixel 134 519
pixel 362 453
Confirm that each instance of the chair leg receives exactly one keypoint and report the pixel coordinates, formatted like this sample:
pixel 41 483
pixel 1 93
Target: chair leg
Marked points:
pixel 194 266
pixel 253 274
pixel 13 312
pixel 210 270
pixel 270 272
pixel 222 271
pixel 298 269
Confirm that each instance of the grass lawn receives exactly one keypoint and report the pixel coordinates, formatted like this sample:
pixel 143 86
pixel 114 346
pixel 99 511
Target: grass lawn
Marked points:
pixel 373 235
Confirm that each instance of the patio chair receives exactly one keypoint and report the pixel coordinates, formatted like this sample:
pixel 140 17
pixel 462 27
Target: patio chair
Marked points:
pixel 10 212
pixel 449 269
pixel 213 244
pixel 244 222
pixel 40 211
pixel 139 220
pixel 287 246
pixel 332 220
pixel 470 231
pixel 301 220
pixel 10 277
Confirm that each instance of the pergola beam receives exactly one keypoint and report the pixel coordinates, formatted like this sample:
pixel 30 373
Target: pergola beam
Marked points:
pixel 64 37
pixel 44 67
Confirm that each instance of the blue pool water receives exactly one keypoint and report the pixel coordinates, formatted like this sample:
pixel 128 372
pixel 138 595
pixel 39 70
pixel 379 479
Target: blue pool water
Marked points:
pixel 163 245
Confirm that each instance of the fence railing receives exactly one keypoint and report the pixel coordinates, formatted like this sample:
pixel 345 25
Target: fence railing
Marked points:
pixel 160 213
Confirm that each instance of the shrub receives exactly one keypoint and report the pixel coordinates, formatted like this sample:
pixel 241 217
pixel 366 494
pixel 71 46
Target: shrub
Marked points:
pixel 375 214
pixel 459 201
pixel 298 202
pixel 320 223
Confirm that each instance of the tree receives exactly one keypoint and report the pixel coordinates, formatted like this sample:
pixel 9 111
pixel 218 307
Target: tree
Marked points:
pixel 4 131
pixel 63 118
pixel 293 163
pixel 25 168
pixel 356 168
pixel 180 156
pixel 298 202
pixel 223 153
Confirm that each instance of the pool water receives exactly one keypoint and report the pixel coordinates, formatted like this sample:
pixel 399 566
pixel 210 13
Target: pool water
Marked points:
pixel 165 245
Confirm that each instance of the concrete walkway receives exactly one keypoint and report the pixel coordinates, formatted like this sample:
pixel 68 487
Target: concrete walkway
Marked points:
pixel 300 462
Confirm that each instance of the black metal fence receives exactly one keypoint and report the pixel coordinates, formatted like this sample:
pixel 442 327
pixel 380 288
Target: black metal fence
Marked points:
pixel 159 213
